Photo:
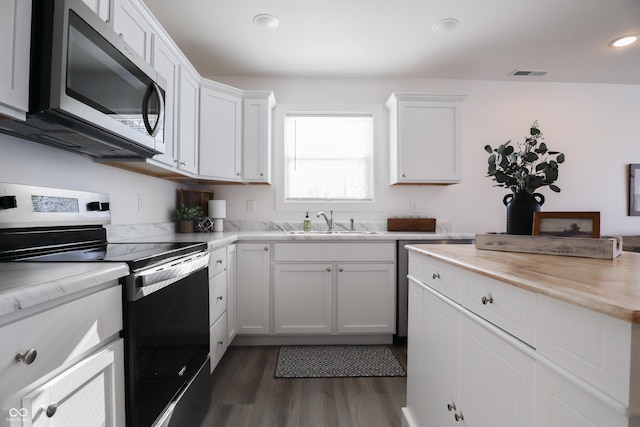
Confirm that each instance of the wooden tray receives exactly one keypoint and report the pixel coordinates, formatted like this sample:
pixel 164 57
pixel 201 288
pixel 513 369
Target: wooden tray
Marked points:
pixel 604 248
pixel 411 224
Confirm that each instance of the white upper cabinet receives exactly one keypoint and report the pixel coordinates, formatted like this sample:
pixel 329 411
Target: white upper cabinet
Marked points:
pixel 15 39
pixel 220 132
pixel 166 63
pixel 256 154
pixel 188 120
pixel 131 25
pixel 102 8
pixel 425 143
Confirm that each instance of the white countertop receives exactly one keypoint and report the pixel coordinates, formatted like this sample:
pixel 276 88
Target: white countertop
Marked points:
pixel 26 286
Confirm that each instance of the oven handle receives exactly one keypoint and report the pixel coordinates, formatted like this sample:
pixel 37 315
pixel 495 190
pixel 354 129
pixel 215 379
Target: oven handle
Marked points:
pixel 145 282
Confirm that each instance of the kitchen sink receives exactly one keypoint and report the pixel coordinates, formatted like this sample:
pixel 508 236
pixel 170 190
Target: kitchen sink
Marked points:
pixel 337 232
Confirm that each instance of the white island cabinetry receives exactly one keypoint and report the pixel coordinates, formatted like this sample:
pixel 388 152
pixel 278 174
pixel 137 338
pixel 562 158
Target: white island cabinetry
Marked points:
pixel 490 348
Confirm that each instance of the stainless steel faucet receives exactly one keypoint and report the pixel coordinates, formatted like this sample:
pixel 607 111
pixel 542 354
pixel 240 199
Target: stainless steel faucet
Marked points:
pixel 328 220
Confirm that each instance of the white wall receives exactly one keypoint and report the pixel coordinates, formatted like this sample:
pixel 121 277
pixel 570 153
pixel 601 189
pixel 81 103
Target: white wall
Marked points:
pixel 27 162
pixel 594 125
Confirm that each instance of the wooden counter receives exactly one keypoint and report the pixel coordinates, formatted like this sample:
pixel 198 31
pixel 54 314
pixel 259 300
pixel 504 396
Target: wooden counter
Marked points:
pixel 610 287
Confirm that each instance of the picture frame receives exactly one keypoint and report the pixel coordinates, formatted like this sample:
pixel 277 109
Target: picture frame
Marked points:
pixel 634 189
pixel 567 224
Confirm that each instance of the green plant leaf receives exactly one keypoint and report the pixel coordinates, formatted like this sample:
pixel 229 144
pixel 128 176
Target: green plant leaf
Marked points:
pixel 554 188
pixel 530 157
pixel 535 131
pixel 488 149
pixel 560 158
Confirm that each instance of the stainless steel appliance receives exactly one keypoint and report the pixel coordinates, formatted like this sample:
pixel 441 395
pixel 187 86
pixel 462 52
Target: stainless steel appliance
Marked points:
pixel 402 297
pixel 165 297
pixel 89 91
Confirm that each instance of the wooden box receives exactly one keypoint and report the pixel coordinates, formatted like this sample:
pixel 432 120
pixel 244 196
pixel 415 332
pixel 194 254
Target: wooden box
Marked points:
pixel 603 248
pixel 411 224
pixel 196 198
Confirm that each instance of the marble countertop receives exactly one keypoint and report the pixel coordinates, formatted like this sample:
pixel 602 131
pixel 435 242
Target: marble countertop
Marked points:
pixel 25 286
pixel 607 286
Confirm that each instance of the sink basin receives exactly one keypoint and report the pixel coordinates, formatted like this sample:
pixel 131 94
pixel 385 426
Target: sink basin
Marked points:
pixel 335 232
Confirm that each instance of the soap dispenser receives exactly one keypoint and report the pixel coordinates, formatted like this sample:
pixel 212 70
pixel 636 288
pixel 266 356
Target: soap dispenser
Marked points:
pixel 307 223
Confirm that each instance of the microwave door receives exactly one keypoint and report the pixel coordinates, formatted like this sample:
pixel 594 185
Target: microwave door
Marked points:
pixel 103 85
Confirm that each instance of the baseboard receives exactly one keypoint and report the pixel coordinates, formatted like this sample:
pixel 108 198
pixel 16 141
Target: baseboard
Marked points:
pixel 243 340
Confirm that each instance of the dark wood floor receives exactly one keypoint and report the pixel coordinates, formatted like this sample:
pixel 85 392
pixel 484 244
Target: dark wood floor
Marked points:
pixel 245 393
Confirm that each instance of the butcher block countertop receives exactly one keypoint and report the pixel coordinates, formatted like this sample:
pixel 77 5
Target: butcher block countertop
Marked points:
pixel 611 287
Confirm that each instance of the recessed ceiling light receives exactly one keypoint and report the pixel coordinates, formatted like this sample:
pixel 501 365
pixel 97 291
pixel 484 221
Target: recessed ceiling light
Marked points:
pixel 623 41
pixel 268 22
pixel 445 25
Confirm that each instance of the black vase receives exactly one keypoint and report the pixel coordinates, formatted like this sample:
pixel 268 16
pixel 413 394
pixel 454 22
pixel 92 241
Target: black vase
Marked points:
pixel 520 209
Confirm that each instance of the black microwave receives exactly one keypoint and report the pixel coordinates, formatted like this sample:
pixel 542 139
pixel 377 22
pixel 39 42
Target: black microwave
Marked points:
pixel 89 91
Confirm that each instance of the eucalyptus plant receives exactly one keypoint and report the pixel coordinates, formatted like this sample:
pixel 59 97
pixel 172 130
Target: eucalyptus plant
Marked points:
pixel 531 167
pixel 188 213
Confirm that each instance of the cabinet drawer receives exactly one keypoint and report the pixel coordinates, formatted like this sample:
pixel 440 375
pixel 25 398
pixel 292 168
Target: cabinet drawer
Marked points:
pixel 217 297
pixel 508 307
pixel 58 336
pixel 442 277
pixel 218 340
pixel 591 345
pixel 331 252
pixel 217 262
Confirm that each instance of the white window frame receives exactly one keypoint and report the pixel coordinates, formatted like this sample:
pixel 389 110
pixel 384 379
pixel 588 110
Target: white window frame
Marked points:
pixel 371 160
pixel 380 156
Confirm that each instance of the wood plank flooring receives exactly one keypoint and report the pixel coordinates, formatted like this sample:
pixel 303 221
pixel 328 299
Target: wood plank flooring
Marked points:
pixel 245 393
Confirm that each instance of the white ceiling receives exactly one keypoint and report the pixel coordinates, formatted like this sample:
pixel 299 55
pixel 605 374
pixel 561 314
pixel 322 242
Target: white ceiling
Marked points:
pixel 393 38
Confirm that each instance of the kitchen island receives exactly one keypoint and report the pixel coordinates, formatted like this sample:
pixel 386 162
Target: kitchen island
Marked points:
pixel 506 339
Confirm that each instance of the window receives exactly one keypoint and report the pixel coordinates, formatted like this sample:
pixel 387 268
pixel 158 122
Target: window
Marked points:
pixel 329 157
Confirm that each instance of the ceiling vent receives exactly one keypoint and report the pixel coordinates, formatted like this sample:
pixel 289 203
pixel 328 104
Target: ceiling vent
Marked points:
pixel 528 73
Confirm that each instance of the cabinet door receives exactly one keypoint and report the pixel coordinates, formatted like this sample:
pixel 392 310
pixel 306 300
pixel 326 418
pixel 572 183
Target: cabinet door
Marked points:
pixel 218 341
pixel 425 139
pixel 165 62
pixel 561 403
pixel 437 400
pixel 496 380
pixel 257 115
pixel 252 288
pixel 188 122
pixel 102 8
pixel 91 393
pixel 217 296
pixel 373 283
pixel 302 298
pixel 220 135
pixel 15 39
pixel 130 24
pixel 231 293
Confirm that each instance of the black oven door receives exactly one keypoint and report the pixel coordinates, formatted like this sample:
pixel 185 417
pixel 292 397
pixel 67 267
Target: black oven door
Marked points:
pixel 166 342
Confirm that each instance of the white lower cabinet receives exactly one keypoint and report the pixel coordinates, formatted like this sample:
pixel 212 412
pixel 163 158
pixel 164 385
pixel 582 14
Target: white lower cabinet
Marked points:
pixel 303 298
pixel 218 340
pixel 231 292
pixel 84 395
pixel 253 274
pixel 65 366
pixel 366 298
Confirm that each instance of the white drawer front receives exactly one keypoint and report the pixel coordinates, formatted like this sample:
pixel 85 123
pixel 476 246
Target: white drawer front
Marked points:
pixel 218 340
pixel 593 346
pixel 58 336
pixel 217 297
pixel 442 277
pixel 217 262
pixel 508 307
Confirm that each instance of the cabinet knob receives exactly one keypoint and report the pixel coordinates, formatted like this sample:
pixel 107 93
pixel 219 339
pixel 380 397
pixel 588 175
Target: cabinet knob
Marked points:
pixel 219 298
pixel 266 248
pixel 404 175
pixel 436 276
pixel 219 261
pixel 220 343
pixel 341 269
pixel 486 300
pixel 458 417
pixel 51 410
pixel 328 269
pixel 451 407
pixel 27 357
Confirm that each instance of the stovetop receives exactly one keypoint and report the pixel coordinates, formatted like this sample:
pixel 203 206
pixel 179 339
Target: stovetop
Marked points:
pixel 137 255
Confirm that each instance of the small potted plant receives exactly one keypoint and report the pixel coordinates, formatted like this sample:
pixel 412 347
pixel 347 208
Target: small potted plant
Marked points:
pixel 523 172
pixel 186 216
